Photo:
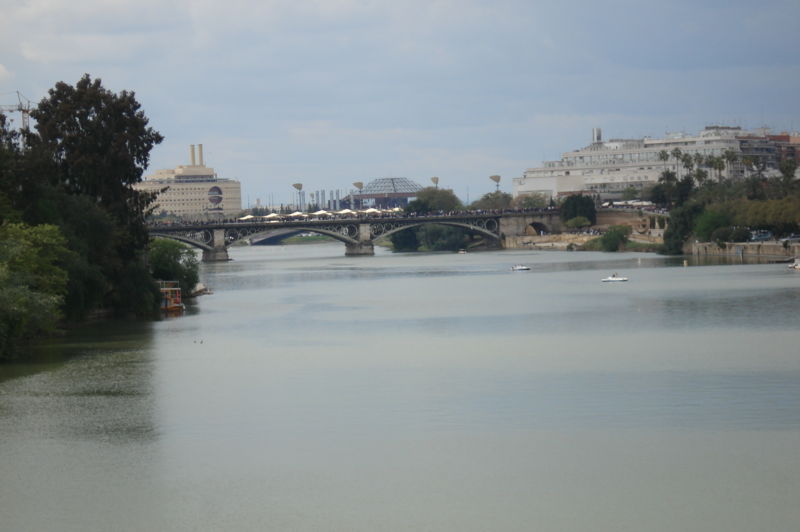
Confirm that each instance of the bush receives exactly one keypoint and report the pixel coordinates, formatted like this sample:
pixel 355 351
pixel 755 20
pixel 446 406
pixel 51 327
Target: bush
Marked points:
pixel 171 260
pixel 615 237
pixel 578 222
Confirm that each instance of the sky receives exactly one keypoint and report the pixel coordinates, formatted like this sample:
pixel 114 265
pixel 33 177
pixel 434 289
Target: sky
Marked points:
pixel 329 92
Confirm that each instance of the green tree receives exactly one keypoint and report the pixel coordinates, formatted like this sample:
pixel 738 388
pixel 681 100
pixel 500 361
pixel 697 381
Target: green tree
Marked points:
pixel 579 205
pixel 100 142
pixel 92 145
pixel 709 221
pixel 578 222
pixel 492 201
pixel 443 238
pixel 433 199
pixel 171 260
pixel 530 201
pixel 32 283
pixel 405 240
pixel 731 158
pixel 615 237
pixel 681 223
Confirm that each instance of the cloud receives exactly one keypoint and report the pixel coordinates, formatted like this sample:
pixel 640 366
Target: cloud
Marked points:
pixel 5 74
pixel 326 90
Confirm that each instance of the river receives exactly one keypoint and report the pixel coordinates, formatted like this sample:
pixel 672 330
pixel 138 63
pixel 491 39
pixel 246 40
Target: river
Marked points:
pixel 438 392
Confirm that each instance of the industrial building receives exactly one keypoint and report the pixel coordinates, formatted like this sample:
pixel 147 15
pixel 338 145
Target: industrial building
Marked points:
pixel 194 191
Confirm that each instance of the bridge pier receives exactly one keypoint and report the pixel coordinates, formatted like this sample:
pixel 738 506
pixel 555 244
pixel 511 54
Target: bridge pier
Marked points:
pixel 364 246
pixel 215 255
pixel 218 251
pixel 359 249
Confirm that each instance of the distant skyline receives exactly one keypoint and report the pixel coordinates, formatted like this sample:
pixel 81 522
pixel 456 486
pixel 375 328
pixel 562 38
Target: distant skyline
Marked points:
pixel 328 92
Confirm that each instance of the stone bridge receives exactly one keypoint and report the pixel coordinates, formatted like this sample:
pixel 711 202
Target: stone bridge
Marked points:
pixel 357 234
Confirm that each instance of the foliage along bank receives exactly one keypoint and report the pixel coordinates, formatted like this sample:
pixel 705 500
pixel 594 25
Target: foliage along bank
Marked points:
pixel 73 239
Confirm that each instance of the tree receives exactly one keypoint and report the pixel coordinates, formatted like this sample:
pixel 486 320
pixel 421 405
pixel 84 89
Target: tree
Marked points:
pixel 530 201
pixel 677 154
pixel 708 222
pixel 91 145
pixel 681 223
pixel 630 193
pixel 32 283
pixel 578 222
pixel 100 143
pixel 615 238
pixel 433 199
pixel 171 260
pixel 579 205
pixel 443 238
pixel 730 157
pixel 492 201
pixel 405 240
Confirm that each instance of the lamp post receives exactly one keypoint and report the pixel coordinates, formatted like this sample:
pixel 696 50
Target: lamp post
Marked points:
pixel 359 185
pixel 435 181
pixel 299 188
pixel 496 179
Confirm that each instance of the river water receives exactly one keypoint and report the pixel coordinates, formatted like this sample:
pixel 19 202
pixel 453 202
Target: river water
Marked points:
pixel 420 392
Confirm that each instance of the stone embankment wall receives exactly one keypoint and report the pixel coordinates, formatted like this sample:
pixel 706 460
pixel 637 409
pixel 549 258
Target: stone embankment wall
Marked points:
pixel 750 250
pixel 560 241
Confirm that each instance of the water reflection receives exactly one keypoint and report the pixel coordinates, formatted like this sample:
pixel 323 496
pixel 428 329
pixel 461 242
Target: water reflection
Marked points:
pixel 94 383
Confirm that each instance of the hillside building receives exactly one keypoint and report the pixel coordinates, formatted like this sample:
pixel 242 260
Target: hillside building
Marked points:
pixel 605 169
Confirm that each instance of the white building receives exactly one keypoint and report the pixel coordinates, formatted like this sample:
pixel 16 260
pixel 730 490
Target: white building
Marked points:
pixel 607 168
pixel 194 191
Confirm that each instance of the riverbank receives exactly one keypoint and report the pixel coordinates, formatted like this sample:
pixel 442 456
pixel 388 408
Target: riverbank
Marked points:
pixel 751 250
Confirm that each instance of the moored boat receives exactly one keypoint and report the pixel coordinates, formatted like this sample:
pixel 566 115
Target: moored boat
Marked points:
pixel 171 297
pixel 614 278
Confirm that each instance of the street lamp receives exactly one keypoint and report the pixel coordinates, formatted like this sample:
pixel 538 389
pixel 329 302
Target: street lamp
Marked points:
pixel 299 187
pixel 435 181
pixel 496 179
pixel 359 185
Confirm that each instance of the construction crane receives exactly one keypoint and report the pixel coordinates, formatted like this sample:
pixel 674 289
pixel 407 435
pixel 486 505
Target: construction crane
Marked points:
pixel 23 106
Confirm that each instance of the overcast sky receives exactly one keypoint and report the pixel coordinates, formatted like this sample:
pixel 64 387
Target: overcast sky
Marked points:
pixel 327 92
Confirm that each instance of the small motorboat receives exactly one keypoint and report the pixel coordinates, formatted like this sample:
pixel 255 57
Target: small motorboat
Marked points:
pixel 795 266
pixel 614 278
pixel 519 268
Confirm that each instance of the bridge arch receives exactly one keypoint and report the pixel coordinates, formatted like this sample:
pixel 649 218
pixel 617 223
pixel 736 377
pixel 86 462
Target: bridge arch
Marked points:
pixel 181 238
pixel 472 228
pixel 337 235
pixel 540 228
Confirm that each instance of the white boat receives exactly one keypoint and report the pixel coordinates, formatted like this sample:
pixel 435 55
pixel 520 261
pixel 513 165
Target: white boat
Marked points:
pixel 795 265
pixel 519 268
pixel 614 278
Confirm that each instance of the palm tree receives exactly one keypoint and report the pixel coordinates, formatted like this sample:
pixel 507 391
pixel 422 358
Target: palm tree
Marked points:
pixel 677 154
pixel 730 158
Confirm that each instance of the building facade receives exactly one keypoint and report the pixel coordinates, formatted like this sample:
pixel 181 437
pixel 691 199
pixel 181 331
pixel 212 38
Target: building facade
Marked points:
pixel 194 191
pixel 607 168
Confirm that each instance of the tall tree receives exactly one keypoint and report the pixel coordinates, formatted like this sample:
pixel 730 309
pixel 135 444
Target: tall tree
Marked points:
pixel 579 205
pixel 101 143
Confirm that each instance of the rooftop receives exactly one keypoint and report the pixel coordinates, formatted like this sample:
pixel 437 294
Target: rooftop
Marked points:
pixel 390 185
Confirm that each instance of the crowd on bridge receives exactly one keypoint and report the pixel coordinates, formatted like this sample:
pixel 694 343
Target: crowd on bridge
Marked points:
pixel 346 214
